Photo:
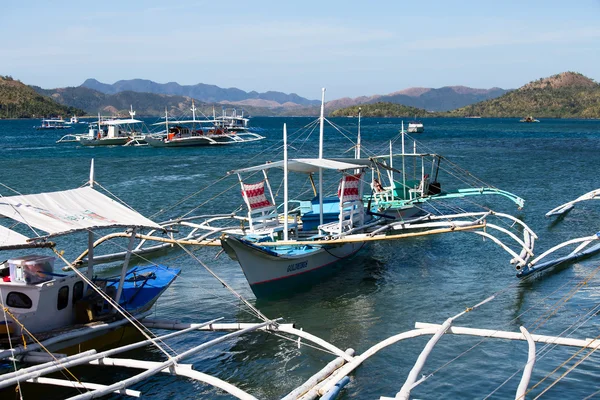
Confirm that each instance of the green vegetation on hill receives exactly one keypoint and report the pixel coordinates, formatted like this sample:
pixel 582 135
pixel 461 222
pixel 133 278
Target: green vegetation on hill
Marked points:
pixel 566 95
pixel 18 100
pixel 382 110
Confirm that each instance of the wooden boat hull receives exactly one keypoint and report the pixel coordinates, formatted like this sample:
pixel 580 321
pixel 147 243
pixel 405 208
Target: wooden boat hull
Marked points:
pixel 276 272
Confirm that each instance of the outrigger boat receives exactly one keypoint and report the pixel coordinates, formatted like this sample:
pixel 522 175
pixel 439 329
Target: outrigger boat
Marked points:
pixel 585 247
pixel 52 124
pixel 280 251
pixel 54 311
pixel 110 132
pixel 195 132
pixel 233 122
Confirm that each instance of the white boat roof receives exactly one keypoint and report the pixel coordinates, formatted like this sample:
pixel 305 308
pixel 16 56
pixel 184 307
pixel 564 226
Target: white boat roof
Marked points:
pixel 187 121
pixel 120 121
pixel 58 213
pixel 10 238
pixel 307 165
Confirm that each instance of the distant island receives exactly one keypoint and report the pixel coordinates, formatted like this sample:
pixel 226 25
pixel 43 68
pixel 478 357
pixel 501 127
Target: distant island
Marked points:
pixel 565 95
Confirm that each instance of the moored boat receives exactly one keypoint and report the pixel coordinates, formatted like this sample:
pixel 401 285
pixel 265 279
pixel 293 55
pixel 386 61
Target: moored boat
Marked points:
pixel 53 124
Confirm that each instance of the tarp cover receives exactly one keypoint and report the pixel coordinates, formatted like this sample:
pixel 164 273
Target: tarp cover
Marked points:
pixel 66 211
pixel 307 165
pixel 10 238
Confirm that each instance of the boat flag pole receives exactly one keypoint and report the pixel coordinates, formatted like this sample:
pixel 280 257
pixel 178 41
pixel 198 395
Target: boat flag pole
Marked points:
pixel 322 118
pixel 285 184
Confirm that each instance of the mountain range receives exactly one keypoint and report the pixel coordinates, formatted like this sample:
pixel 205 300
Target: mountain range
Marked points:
pixel 564 95
pixel 203 92
pixel 443 99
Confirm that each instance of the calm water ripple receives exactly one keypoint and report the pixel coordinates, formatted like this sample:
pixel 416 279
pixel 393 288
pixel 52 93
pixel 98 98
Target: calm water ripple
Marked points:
pixel 387 287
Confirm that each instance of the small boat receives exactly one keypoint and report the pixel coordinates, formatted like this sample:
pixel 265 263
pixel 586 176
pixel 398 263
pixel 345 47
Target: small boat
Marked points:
pixel 415 127
pixel 113 132
pixel 529 119
pixel 191 133
pixel 64 310
pixel 233 122
pixel 52 124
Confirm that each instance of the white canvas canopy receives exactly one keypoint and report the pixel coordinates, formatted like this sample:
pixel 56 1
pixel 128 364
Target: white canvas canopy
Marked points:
pixel 67 211
pixel 307 165
pixel 9 238
pixel 188 121
pixel 120 121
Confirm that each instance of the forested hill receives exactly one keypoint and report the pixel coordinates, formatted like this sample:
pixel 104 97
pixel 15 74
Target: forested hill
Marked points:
pixel 382 109
pixel 18 100
pixel 565 95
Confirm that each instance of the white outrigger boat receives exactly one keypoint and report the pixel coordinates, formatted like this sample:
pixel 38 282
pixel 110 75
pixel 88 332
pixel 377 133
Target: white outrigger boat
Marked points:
pixel 278 252
pixel 52 124
pixel 195 132
pixel 110 132
pixel 585 247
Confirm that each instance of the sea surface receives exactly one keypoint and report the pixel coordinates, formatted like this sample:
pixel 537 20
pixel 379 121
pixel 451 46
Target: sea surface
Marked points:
pixel 380 292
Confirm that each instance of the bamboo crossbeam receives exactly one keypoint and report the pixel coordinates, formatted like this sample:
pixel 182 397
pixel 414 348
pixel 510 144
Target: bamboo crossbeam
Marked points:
pixel 82 385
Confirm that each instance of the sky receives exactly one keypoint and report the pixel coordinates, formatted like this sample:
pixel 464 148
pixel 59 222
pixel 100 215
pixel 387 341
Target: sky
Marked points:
pixel 351 48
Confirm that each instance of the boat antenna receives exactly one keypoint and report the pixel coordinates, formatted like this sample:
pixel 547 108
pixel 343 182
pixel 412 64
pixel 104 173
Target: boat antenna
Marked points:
pixel 92 173
pixel 131 112
pixel 285 184
pixel 321 120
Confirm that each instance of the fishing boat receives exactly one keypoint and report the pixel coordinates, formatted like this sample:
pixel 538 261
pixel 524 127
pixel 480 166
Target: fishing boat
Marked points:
pixel 278 252
pixel 415 127
pixel 52 124
pixel 529 119
pixel 233 122
pixel 196 132
pixel 63 310
pixel 114 132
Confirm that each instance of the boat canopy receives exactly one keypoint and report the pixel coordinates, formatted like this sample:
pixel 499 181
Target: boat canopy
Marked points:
pixel 10 238
pixel 58 213
pixel 119 121
pixel 308 165
pixel 187 121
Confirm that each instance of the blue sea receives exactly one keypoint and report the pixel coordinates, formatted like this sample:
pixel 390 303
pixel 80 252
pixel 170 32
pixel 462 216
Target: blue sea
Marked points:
pixel 380 292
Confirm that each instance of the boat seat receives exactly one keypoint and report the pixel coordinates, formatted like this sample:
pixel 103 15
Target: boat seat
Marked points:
pixel 352 212
pixel 263 216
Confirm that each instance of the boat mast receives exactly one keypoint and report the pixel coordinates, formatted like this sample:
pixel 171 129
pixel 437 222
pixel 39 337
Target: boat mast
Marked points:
pixel 357 152
pixel 403 165
pixel 131 112
pixel 166 121
pixel 321 119
pixel 285 184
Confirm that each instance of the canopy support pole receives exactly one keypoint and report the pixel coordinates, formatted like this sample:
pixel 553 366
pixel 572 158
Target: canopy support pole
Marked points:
pixel 125 265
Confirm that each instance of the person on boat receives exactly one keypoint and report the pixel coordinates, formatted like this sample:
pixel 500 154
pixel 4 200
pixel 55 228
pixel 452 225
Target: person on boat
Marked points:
pixel 377 186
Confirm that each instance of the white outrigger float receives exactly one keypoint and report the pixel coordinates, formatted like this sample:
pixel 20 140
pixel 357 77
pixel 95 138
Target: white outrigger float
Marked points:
pixel 195 132
pixel 585 247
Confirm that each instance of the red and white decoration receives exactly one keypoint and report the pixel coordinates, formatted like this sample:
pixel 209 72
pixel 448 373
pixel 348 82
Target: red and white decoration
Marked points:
pixel 254 194
pixel 349 184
